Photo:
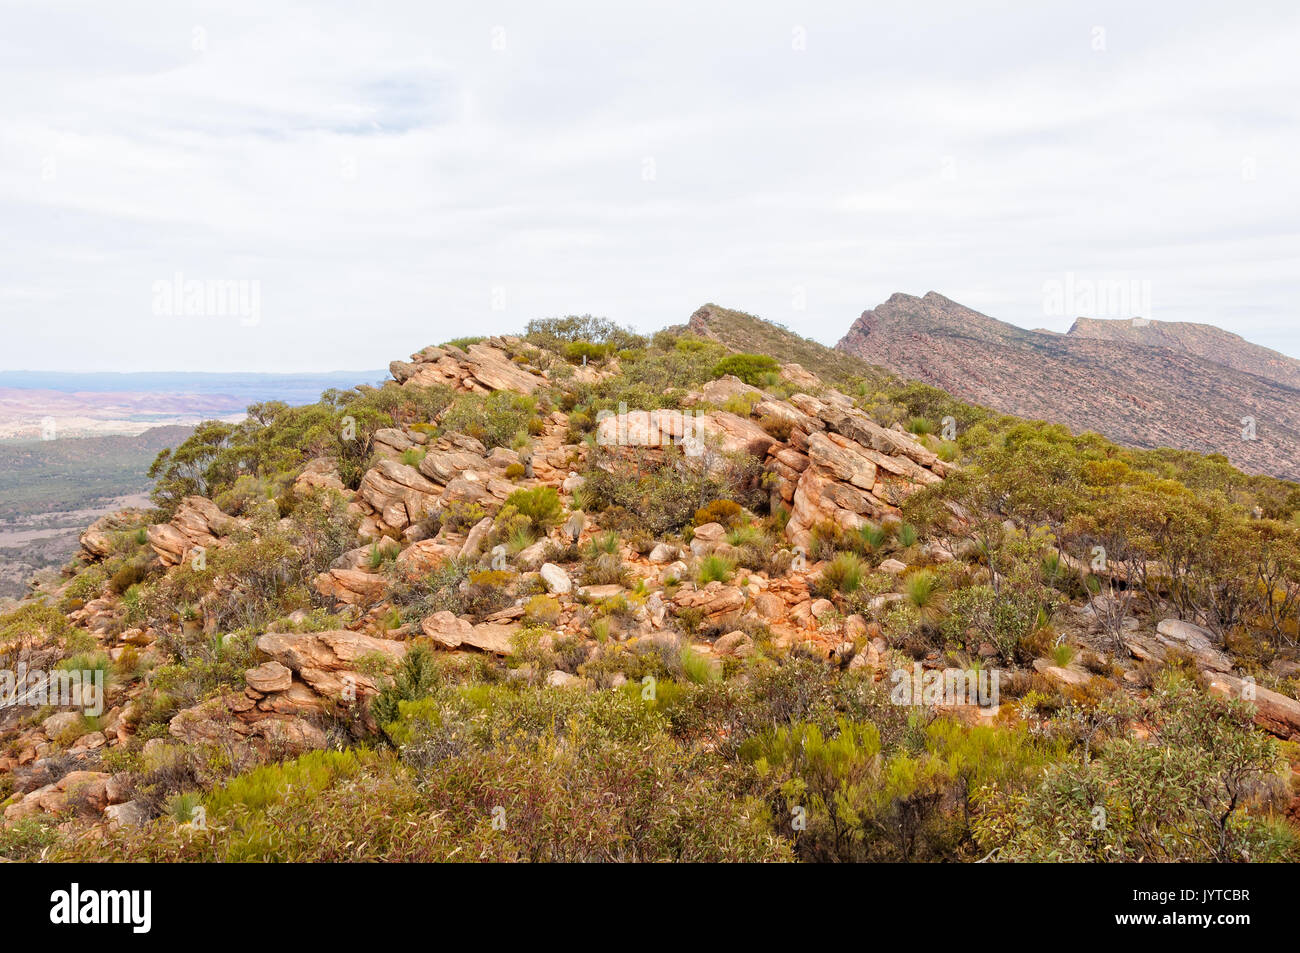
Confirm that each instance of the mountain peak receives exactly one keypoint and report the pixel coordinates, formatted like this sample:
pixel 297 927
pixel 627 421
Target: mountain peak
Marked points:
pixel 1129 380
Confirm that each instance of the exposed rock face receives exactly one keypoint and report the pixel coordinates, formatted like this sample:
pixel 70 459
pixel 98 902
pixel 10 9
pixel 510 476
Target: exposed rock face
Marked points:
pixel 197 523
pixel 398 493
pixel 352 586
pixel 1131 383
pixel 1183 636
pixel 840 466
pixel 86 788
pixel 715 600
pixel 328 661
pixel 1203 340
pixel 319 474
pixel 480 368
pixel 451 632
pixel 97 540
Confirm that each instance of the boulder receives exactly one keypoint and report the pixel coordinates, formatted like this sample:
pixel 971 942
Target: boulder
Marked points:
pixel 556 579
pixel 269 677
pixel 735 643
pixel 451 632
pixel 1276 713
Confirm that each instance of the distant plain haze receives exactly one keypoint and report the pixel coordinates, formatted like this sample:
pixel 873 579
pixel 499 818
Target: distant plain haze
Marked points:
pixel 348 183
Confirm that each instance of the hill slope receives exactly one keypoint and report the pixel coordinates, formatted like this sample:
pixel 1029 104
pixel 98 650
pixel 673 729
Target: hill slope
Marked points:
pixel 744 332
pixel 1137 392
pixel 1204 340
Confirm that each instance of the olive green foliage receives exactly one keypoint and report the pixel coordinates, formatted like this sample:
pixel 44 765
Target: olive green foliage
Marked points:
pixel 600 333
pixel 662 495
pixel 497 419
pixel 753 369
pixel 540 505
pixel 275 440
pixel 1199 790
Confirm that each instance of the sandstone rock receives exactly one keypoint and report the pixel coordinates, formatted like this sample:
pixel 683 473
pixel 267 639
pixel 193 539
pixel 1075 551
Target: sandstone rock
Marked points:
pixel 127 814
pixel 351 586
pixel 60 722
pixel 319 474
pixel 599 593
pixel 894 567
pixel 423 556
pixel 559 679
pixel 556 579
pixel 725 388
pixel 473 546
pixel 662 553
pixel 769 606
pixel 1275 712
pixel 735 643
pixel 731 433
pixel 1061 675
pixel 398 493
pixel 197 523
pixel 269 677
pixel 327 661
pixel 707 537
pixel 495 371
pixel 715 599
pixel 454 633
pixel 97 540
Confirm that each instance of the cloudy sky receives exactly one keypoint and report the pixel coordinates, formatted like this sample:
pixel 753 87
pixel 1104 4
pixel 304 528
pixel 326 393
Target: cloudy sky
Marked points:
pixel 386 175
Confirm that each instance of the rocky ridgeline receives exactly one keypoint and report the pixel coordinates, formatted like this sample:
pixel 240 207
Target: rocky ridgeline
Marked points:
pixel 830 462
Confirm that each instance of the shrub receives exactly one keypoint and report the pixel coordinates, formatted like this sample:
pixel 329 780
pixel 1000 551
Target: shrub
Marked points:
pixel 844 573
pixel 542 610
pixel 496 419
pixel 778 427
pixel 753 369
pixel 920 588
pixel 540 504
pixel 713 568
pixel 873 536
pixel 726 512
pixel 515 470
pixel 603 569
pixel 698 668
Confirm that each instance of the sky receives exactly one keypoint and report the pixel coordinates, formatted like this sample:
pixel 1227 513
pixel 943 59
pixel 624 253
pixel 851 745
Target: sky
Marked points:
pixel 304 187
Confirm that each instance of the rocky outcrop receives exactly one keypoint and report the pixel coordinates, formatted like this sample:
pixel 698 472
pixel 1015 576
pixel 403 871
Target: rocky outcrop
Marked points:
pixel 1274 712
pixel 330 663
pixel 840 467
pixel 197 523
pixel 97 541
pixel 319 474
pixel 355 587
pixel 482 367
pixel 450 632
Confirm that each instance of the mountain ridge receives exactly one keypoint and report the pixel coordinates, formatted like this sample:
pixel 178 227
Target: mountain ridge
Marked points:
pixel 1098 378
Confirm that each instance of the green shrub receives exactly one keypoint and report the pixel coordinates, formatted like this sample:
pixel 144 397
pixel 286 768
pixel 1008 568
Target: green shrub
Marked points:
pixel 844 573
pixel 713 568
pixel 753 369
pixel 541 505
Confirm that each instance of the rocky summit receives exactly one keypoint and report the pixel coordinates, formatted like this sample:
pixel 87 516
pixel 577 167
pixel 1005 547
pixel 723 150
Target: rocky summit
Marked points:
pixel 1139 382
pixel 585 594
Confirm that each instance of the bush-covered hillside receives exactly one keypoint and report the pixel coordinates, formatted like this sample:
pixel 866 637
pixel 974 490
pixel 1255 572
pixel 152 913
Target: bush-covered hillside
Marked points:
pixel 591 595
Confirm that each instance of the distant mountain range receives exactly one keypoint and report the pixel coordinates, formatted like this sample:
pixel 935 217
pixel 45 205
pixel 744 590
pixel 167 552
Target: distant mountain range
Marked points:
pixel 108 403
pixel 1141 383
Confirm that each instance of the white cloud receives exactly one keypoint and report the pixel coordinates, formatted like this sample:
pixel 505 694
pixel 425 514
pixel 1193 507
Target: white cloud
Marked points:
pixel 381 169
